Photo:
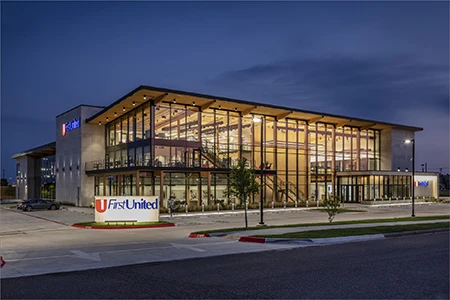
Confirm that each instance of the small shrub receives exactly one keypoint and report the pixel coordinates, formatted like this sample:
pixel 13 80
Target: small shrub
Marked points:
pixel 331 206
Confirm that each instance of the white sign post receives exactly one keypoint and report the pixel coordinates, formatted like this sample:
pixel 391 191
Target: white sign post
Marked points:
pixel 126 208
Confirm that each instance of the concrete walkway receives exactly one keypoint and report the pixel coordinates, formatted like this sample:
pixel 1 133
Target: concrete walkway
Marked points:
pixel 355 206
pixel 276 231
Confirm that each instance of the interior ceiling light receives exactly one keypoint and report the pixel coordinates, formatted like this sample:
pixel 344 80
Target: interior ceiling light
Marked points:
pixel 134 103
pixel 193 103
pixel 100 123
pixel 174 100
pixel 124 108
pixel 220 107
pixel 115 114
pixel 107 119
pixel 235 109
pixel 145 97
pixel 256 119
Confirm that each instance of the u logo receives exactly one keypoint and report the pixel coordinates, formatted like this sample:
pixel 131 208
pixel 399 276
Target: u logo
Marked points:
pixel 98 205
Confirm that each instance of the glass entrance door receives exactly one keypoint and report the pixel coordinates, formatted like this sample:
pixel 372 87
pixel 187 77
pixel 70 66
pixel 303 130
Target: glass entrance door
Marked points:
pixel 352 193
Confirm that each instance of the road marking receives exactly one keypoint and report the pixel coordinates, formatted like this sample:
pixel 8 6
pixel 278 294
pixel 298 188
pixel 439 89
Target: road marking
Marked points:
pixel 92 256
pixel 184 246
pixel 41 257
pixel 96 256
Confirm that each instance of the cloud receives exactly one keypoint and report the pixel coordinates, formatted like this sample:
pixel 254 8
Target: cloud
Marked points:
pixel 371 87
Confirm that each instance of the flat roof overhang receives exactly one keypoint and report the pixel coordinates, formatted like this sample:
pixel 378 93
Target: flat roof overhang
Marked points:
pixel 202 102
pixel 38 152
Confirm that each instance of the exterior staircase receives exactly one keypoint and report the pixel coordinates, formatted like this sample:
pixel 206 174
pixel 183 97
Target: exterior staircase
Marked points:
pixel 289 189
pixel 209 155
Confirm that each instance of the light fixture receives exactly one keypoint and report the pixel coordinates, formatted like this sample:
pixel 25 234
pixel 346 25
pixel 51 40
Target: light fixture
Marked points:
pixel 174 100
pixel 145 97
pixel 220 107
pixel 134 103
pixel 115 114
pixel 406 169
pixel 256 119
pixel 100 123
pixel 124 108
pixel 408 141
pixel 107 119
pixel 398 169
pixel 193 103
pixel 235 109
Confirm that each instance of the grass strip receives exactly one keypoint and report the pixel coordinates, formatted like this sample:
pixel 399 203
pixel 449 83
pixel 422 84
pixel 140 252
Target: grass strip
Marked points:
pixel 441 217
pixel 341 210
pixel 338 232
pixel 112 224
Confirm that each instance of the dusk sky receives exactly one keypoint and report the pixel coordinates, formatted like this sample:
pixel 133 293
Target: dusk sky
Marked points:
pixel 387 61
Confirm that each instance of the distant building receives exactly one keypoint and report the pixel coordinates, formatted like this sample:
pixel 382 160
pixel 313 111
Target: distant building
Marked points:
pixel 181 145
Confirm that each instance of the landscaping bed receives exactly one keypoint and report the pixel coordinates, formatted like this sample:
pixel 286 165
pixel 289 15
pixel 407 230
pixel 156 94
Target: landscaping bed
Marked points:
pixel 122 225
pixel 340 232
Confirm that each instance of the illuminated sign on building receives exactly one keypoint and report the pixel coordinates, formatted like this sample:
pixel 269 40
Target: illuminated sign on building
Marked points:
pixel 421 183
pixel 127 208
pixel 69 126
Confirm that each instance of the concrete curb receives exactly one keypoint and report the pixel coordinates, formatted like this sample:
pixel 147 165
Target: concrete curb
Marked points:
pixel 396 234
pixel 318 241
pixel 113 227
pixel 199 235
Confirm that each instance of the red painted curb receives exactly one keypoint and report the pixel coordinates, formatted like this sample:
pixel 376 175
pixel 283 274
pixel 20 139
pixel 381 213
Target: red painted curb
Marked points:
pixel 251 239
pixel 123 227
pixel 199 235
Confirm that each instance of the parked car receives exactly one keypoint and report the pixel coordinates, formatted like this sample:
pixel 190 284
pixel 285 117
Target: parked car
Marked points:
pixel 31 204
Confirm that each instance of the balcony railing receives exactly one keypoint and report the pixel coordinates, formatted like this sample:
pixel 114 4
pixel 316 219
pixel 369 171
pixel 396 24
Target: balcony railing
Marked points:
pixel 129 163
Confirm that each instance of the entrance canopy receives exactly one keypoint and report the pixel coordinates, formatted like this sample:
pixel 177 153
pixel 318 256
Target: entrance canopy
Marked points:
pixel 38 152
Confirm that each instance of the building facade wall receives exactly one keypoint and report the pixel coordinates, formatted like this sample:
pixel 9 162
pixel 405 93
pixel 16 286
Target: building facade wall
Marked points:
pixel 21 178
pixel 72 150
pixel 28 177
pixel 92 149
pixel 386 149
pixel 430 189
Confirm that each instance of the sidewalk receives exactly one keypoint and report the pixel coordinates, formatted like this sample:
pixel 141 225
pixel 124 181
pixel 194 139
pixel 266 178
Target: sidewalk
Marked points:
pixel 356 206
pixel 249 235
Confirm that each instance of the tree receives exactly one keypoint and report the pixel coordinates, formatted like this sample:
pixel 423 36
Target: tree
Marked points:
pixel 243 184
pixel 4 182
pixel 331 205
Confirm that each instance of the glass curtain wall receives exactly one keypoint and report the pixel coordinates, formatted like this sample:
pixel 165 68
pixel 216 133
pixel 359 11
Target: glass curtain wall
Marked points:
pixel 299 161
pixel 128 139
pixel 374 187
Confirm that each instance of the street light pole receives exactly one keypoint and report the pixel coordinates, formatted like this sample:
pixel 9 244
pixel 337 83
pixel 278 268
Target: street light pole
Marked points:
pixel 261 203
pixel 412 178
pixel 413 169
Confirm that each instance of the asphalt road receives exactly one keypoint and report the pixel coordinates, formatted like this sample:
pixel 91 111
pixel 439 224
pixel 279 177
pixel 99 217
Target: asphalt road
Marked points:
pixel 409 267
